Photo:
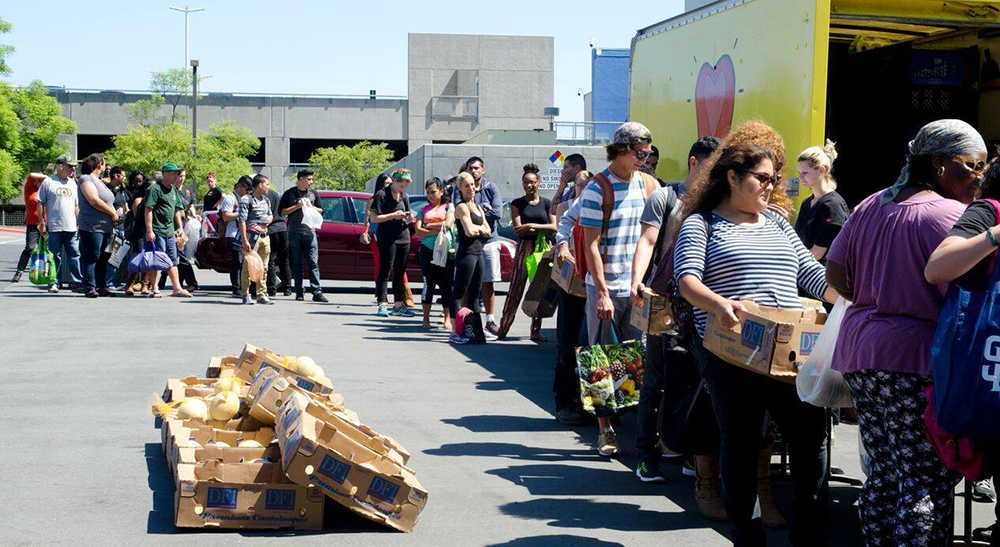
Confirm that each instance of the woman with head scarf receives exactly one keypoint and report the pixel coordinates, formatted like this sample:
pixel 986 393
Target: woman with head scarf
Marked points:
pixel 884 345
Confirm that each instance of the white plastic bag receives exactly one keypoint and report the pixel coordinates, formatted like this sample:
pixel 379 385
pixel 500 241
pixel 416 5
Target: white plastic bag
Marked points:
pixel 192 231
pixel 119 252
pixel 311 217
pixel 817 383
pixel 441 246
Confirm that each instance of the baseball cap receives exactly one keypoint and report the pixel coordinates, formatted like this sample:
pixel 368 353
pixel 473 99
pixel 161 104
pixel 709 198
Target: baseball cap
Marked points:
pixel 66 159
pixel 632 133
pixel 167 167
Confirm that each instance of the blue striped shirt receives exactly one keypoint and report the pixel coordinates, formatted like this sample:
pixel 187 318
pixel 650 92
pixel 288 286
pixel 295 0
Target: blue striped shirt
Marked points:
pixel 764 262
pixel 623 232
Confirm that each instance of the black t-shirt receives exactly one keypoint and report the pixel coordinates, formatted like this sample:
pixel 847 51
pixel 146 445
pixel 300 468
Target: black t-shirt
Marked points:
pixel 291 197
pixel 821 220
pixel 277 219
pixel 977 218
pixel 383 203
pixel 532 214
pixel 212 199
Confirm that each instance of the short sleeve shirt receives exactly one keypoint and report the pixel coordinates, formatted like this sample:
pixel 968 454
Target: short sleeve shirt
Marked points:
pixel 977 218
pixel 164 202
pixel 662 212
pixel 429 215
pixel 532 214
pixel 618 244
pixel 385 203
pixel 59 196
pixel 92 220
pixel 820 220
pixel 230 205
pixel 290 198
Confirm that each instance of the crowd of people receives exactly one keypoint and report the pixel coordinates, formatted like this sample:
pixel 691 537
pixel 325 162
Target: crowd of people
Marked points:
pixel 721 235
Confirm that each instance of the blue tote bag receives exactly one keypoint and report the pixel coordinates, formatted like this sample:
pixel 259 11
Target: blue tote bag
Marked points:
pixel 965 359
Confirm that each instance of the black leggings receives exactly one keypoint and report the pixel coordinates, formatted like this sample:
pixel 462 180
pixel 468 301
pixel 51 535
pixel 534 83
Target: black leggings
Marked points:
pixel 468 281
pixel 392 258
pixel 435 276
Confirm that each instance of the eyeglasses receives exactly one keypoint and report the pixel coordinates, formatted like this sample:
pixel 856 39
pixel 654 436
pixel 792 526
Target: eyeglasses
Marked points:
pixel 971 165
pixel 641 154
pixel 766 181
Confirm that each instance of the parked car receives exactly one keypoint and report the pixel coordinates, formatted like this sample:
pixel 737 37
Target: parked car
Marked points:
pixel 342 257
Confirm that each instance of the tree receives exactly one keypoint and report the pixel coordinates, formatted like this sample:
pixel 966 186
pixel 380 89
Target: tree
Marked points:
pixel 5 50
pixel 349 167
pixel 224 150
pixel 168 87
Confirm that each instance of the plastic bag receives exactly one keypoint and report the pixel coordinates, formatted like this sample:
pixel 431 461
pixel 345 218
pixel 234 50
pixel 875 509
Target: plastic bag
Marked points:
pixel 817 383
pixel 42 266
pixel 311 217
pixel 442 244
pixel 532 260
pixel 255 266
pixel 192 231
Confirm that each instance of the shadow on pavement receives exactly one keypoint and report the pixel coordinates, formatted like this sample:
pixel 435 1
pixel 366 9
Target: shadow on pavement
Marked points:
pixel 563 540
pixel 161 483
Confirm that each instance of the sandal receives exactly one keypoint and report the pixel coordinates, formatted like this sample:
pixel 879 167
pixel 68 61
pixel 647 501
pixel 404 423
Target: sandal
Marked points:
pixel 145 288
pixel 180 294
pixel 155 294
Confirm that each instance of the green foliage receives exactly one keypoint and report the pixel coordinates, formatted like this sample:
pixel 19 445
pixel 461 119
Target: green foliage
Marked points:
pixel 224 151
pixel 349 167
pixel 148 148
pixel 5 50
pixel 168 87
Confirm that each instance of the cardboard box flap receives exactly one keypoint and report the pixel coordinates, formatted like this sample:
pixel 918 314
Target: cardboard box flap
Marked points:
pixel 786 316
pixel 239 473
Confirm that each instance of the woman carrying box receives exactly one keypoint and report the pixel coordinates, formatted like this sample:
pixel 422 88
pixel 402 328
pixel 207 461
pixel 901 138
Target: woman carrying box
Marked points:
pixel 751 253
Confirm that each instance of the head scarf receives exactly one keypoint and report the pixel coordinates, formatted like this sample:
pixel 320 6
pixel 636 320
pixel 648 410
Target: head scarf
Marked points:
pixel 948 137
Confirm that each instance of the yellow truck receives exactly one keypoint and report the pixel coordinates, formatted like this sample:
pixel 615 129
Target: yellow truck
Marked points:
pixel 865 73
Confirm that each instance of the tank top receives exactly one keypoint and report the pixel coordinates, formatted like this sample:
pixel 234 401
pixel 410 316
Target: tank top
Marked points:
pixel 470 244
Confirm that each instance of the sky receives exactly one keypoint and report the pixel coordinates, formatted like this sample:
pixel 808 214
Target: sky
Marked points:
pixel 299 46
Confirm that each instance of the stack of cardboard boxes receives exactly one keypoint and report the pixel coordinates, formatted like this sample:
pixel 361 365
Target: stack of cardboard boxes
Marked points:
pixel 292 447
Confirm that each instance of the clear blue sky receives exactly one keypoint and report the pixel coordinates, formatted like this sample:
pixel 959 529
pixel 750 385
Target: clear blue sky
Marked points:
pixel 294 46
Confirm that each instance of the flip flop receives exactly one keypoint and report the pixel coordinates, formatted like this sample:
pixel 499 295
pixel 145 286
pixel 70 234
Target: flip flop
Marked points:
pixel 156 294
pixel 181 294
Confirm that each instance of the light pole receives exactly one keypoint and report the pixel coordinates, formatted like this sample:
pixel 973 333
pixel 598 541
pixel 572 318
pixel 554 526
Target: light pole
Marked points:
pixel 186 11
pixel 194 105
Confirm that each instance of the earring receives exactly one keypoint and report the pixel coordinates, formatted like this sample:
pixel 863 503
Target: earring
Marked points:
pixel 941 171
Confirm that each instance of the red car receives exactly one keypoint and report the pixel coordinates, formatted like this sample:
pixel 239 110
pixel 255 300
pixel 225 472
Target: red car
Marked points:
pixel 342 256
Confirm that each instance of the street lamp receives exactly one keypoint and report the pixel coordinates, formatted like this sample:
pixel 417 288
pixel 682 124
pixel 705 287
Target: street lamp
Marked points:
pixel 186 11
pixel 194 105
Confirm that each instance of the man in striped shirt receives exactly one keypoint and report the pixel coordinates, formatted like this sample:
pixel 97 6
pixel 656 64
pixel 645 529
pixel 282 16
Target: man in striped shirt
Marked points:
pixel 610 245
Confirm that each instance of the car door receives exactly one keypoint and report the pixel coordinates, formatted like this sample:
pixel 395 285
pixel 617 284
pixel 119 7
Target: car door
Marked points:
pixel 364 261
pixel 336 237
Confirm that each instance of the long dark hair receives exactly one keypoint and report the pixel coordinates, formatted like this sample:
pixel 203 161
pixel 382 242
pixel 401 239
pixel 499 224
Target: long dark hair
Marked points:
pixel 436 182
pixel 991 179
pixel 708 192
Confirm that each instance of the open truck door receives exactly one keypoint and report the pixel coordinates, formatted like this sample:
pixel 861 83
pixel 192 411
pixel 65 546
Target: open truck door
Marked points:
pixel 865 73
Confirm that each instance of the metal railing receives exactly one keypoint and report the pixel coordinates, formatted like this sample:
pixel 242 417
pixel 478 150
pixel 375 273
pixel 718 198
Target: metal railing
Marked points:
pixel 223 94
pixel 584 132
pixel 12 217
pixel 462 107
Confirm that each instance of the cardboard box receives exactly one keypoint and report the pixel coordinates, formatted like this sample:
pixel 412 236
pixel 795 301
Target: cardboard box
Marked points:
pixel 253 359
pixel 770 341
pixel 169 429
pixel 221 367
pixel 181 388
pixel 270 390
pixel 183 437
pixel 358 475
pixel 653 314
pixel 567 278
pixel 229 495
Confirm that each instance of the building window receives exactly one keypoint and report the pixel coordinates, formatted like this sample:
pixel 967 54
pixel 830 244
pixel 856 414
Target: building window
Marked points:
pixel 93 144
pixel 300 150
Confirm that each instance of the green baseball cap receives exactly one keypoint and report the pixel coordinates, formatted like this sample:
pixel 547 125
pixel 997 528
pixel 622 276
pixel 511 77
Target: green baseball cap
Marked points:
pixel 167 167
pixel 66 159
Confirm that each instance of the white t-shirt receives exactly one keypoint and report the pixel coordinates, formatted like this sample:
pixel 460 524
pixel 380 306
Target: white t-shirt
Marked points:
pixel 229 205
pixel 60 199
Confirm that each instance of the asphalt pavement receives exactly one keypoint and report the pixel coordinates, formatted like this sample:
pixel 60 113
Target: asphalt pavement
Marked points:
pixel 82 463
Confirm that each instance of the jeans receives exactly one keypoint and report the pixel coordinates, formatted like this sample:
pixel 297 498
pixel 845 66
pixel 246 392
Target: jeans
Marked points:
pixel 169 246
pixel 392 258
pixel 93 260
pixel 277 266
pixel 31 235
pixel 235 263
pixel 69 243
pixel 305 244
pixel 740 399
pixel 569 326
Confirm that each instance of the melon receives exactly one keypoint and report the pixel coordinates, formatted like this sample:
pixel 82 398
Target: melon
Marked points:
pixel 250 443
pixel 192 409
pixel 224 406
pixel 307 367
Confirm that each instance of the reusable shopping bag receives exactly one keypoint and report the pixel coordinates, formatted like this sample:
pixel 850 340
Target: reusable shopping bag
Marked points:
pixel 542 297
pixel 817 383
pixel 119 250
pixel 610 375
pixel 150 260
pixel 532 261
pixel 42 266
pixel 958 454
pixel 442 246
pixel 965 360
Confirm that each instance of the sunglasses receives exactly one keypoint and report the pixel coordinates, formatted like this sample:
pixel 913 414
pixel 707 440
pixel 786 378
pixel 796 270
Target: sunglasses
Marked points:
pixel 766 181
pixel 641 154
pixel 972 165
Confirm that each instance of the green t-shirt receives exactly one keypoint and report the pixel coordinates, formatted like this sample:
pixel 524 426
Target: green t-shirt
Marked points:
pixel 164 203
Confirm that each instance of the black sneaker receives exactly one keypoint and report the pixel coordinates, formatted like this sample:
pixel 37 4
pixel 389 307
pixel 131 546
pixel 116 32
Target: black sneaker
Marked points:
pixel 287 292
pixel 299 297
pixel 648 471
pixel 79 289
pixel 569 416
pixel 16 278
pixel 319 297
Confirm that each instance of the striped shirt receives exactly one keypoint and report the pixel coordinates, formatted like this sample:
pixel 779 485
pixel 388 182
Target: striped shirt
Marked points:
pixel 764 262
pixel 623 232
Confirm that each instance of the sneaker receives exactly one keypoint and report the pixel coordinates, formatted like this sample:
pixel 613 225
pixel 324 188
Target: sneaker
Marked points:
pixel 105 292
pixel 299 297
pixel 489 336
pixel 403 311
pixel 569 416
pixel 492 329
pixel 54 288
pixel 247 300
pixel 77 288
pixel 287 292
pixel 649 472
pixel 16 278
pixel 383 310
pixel 688 468
pixel 237 293
pixel 319 297
pixel 982 492
pixel 272 293
pixel 607 443
pixel 91 294
pixel 456 338
pixel 666 453
pixel 265 300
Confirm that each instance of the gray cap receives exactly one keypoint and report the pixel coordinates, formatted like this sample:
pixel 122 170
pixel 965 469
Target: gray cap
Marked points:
pixel 633 133
pixel 66 159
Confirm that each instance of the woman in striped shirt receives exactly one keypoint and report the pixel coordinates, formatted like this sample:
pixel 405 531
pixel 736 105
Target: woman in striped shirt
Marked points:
pixel 730 247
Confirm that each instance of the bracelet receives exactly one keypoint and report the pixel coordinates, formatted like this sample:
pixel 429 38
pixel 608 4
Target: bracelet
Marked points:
pixel 992 238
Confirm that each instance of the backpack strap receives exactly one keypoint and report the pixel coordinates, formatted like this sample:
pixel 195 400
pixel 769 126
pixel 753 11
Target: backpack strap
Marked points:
pixel 649 182
pixel 607 208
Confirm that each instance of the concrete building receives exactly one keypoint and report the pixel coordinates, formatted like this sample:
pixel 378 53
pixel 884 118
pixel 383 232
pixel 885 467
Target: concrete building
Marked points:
pixel 459 86
pixel 609 85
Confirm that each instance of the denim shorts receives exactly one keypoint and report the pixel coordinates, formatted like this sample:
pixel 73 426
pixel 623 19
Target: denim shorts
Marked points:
pixel 169 246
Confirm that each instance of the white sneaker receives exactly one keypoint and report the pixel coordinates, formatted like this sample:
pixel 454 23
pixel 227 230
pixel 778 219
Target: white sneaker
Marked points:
pixel 248 300
pixel 265 300
pixel 54 288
